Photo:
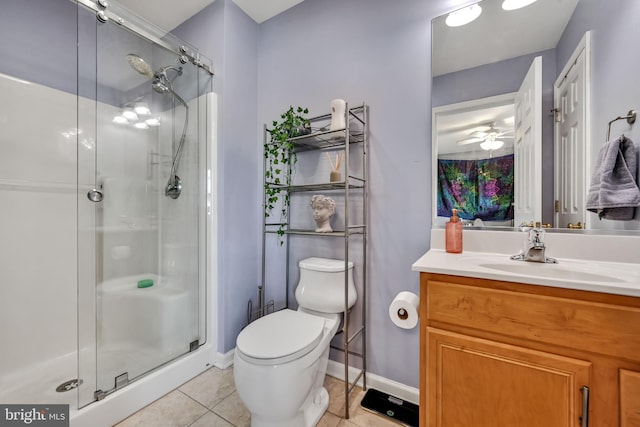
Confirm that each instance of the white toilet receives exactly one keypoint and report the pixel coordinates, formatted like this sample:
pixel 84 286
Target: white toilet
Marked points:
pixel 281 359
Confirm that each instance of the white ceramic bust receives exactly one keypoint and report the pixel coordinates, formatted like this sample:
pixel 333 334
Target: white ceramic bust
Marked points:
pixel 323 209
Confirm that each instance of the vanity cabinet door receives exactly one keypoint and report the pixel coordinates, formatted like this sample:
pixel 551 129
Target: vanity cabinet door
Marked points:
pixel 482 383
pixel 629 398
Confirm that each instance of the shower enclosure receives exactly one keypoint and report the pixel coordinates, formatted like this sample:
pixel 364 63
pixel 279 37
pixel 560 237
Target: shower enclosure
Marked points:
pixel 103 206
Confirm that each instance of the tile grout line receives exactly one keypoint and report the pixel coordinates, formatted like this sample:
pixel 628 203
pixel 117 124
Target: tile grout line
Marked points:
pixel 198 419
pixel 199 403
pixel 350 422
pixel 210 409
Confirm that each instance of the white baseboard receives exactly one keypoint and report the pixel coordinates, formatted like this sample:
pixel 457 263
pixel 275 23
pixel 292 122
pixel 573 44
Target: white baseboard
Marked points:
pixel 404 392
pixel 224 360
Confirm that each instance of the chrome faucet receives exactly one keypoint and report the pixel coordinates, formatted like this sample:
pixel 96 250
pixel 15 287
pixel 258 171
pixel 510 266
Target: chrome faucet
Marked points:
pixel 534 249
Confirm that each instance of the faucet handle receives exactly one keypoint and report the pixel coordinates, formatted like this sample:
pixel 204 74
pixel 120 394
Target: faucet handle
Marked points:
pixel 524 226
pixel 536 236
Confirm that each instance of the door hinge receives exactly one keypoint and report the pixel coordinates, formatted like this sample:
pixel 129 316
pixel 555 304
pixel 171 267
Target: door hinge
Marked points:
pixel 122 380
pixel 557 114
pixel 556 206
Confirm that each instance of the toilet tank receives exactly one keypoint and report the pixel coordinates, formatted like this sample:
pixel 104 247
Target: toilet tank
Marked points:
pixel 321 285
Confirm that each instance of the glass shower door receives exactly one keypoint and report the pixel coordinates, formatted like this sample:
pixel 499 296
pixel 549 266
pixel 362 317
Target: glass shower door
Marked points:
pixel 140 210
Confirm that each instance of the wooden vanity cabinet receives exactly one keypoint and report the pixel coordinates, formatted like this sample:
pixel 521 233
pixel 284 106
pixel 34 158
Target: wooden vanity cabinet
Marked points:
pixel 501 354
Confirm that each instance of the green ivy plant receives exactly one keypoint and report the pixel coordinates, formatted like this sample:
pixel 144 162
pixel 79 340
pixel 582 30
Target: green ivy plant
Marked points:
pixel 280 161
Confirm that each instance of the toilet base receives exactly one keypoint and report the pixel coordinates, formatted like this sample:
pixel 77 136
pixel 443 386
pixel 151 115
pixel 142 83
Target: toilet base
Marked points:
pixel 317 408
pixel 312 410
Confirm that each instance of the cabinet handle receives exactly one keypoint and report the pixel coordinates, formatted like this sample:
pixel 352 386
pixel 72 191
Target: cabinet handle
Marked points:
pixel 584 419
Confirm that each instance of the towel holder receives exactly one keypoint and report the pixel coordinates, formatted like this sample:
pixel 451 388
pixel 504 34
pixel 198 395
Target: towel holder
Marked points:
pixel 631 119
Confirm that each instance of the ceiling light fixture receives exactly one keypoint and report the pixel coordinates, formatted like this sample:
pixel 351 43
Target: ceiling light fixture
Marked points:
pixel 141 108
pixel 516 4
pixel 153 121
pixel 121 120
pixel 463 16
pixel 137 114
pixel 129 114
pixel 491 144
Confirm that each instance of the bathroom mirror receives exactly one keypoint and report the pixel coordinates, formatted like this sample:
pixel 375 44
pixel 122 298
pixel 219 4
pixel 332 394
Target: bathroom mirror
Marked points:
pixel 478 87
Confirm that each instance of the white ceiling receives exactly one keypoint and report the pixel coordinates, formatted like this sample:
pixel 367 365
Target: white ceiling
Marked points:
pixel 261 10
pixel 462 124
pixel 169 14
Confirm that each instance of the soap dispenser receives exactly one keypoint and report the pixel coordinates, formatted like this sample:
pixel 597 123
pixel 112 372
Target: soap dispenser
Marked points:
pixel 453 234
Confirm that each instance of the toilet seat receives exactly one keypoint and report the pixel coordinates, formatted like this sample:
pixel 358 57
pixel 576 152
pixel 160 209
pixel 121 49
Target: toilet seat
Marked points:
pixel 280 337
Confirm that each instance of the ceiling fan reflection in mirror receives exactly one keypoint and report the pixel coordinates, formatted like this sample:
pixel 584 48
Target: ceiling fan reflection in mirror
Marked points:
pixel 490 138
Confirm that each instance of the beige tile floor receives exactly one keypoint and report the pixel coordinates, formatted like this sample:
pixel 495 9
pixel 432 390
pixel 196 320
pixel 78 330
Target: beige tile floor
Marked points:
pixel 210 400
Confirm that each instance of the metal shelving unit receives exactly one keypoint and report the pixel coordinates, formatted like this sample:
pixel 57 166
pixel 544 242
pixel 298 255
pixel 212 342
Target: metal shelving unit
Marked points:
pixel 353 136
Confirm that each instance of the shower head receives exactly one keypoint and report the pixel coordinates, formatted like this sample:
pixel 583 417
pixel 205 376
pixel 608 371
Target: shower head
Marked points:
pixel 140 65
pixel 162 84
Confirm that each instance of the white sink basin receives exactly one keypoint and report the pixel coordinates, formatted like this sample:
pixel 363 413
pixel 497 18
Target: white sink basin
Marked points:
pixel 572 271
pixel 607 264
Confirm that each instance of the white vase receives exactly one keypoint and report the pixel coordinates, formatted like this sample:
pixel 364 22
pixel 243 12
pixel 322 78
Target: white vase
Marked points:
pixel 337 114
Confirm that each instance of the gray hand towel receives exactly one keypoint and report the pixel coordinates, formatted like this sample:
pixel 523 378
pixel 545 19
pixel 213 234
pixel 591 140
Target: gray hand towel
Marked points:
pixel 613 192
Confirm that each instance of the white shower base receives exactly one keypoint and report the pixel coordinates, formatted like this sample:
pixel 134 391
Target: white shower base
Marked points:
pixel 38 384
pixel 140 330
pixel 133 397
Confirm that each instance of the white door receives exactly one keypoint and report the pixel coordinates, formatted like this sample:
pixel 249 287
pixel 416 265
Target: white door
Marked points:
pixel 571 141
pixel 527 148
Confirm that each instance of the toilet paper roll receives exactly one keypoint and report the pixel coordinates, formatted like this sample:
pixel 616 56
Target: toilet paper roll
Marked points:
pixel 404 310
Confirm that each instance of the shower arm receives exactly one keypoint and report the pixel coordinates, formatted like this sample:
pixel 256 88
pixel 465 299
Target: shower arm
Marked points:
pixel 161 84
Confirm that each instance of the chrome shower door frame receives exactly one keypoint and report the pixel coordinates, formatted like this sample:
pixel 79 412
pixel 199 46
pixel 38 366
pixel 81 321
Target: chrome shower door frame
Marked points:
pixel 141 256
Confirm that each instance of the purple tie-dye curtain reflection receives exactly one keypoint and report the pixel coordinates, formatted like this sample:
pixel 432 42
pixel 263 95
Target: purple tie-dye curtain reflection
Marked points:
pixel 477 188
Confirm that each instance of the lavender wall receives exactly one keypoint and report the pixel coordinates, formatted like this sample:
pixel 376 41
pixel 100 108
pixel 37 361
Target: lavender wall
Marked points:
pixel 46 53
pixel 377 52
pixel 224 33
pixel 614 74
pixel 491 79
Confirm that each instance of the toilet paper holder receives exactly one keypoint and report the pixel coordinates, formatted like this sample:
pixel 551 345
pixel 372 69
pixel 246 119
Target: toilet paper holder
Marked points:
pixel 403 310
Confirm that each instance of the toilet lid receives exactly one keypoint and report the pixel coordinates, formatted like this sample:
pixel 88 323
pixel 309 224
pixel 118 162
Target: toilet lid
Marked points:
pixel 285 333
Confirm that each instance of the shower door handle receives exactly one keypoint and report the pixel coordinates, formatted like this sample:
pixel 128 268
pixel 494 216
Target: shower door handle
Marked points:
pixel 95 195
